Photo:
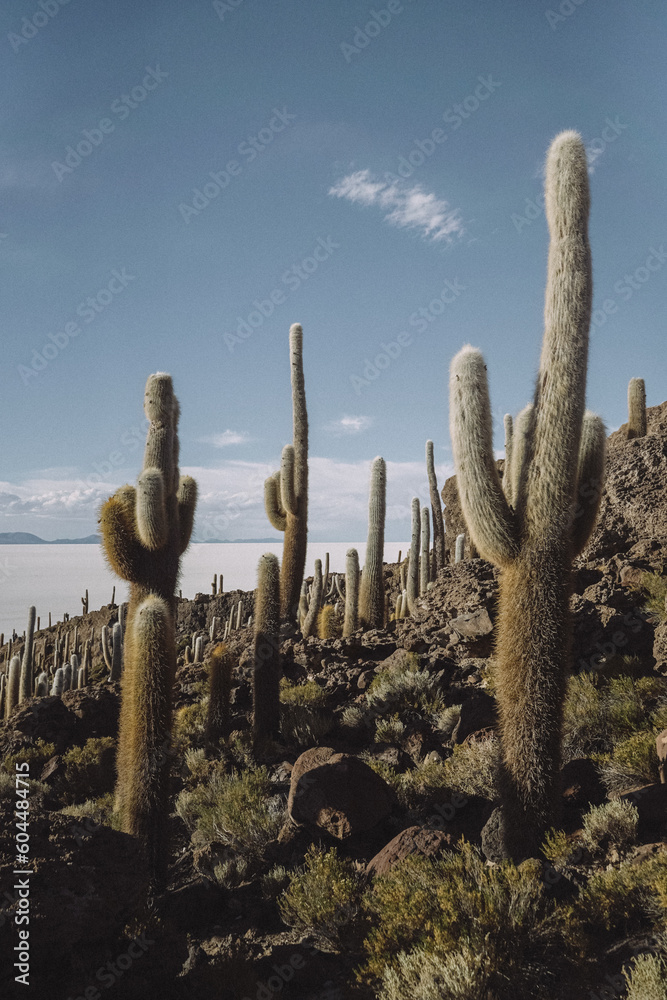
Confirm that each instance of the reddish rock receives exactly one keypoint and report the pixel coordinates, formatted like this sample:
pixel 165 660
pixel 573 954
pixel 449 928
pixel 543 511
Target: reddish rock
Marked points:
pixel 337 793
pixel 631 576
pixel 414 840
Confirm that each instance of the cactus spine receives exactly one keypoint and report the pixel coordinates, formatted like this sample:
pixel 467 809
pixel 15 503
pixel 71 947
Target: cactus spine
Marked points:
pixel 351 622
pixel 371 594
pixel 145 530
pixel 636 408
pixel 424 566
pixel 533 541
pixel 266 650
pixel 219 692
pixel 436 511
pixel 413 563
pixel 286 492
pixel 25 688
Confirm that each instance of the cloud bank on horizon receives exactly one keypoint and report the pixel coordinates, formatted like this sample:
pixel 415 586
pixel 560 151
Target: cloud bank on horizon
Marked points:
pixel 231 500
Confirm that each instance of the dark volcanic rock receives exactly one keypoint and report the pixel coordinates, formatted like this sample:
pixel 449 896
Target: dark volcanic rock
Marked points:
pixel 337 793
pixel 414 840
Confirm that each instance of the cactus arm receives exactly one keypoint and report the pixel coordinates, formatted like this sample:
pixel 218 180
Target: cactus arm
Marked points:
pixel 488 516
pixel 187 502
pixel 561 383
pixel 151 514
pixel 118 529
pixel 590 477
pixel 162 411
pixel 522 430
pixel 424 567
pixel 272 505
pixel 507 473
pixel 287 494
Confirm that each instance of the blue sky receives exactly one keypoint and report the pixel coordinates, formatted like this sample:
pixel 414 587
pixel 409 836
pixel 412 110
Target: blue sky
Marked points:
pixel 180 182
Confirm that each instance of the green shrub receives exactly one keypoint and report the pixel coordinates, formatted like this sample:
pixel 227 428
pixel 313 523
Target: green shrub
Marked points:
pixel 275 881
pixel 90 771
pixel 613 824
pixel 389 730
pixel 615 902
pixel 419 975
pixel 36 757
pixel 472 768
pixel 633 761
pixel 235 809
pixel 457 906
pixel 405 687
pixel 324 899
pixel 655 589
pixel 231 873
pixel 305 726
pixel 647 979
pixel 447 719
pixel 560 849
pixel 99 811
pixel 310 694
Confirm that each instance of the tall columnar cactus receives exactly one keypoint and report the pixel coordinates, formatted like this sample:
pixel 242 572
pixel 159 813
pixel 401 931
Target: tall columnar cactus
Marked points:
pixel 351 622
pixel 436 508
pixel 424 562
pixel 58 685
pixel 145 530
pixel 637 426
pixel 308 627
pixel 266 650
pixel 534 540
pixel 413 564
pixel 25 688
pixel 219 692
pixel 371 594
pixel 286 492
pixel 13 684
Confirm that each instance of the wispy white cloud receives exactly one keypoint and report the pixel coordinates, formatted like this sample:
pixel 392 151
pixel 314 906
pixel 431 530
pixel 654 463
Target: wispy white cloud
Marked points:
pixel 407 206
pixel 224 439
pixel 348 425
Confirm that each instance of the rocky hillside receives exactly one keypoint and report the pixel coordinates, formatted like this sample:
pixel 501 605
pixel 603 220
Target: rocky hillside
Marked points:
pixel 306 871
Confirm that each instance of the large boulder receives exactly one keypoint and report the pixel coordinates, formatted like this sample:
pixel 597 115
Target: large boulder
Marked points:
pixel 337 793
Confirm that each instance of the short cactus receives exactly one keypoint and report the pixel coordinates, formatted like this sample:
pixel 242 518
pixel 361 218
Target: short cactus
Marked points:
pixel 413 564
pixel 25 688
pixel 637 424
pixel 436 511
pixel 219 692
pixel 371 594
pixel 351 622
pixel 533 541
pixel 58 685
pixel 424 563
pixel 266 650
pixel 308 627
pixel 459 548
pixel 13 684
pixel 286 492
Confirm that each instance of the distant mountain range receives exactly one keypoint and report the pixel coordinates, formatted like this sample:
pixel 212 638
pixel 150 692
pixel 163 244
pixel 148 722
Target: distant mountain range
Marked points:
pixel 26 538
